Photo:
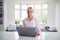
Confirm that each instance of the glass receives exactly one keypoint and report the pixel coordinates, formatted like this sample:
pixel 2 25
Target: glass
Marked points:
pixel 44 12
pixel 23 14
pixel 44 16
pixel 44 6
pixel 17 14
pixel 37 14
pixel 38 7
pixel 17 6
pixel 24 6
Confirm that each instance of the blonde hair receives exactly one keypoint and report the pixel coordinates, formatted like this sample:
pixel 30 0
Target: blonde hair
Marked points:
pixel 29 8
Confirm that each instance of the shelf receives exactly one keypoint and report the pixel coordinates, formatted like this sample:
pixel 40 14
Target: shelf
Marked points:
pixel 1 12
pixel 1 7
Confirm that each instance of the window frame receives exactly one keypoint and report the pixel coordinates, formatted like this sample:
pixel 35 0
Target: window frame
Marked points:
pixel 34 10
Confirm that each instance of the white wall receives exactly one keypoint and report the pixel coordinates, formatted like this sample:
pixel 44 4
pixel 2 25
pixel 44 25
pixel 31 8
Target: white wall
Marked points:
pixel 51 13
pixel 54 20
pixel 9 15
pixel 57 19
pixel 59 15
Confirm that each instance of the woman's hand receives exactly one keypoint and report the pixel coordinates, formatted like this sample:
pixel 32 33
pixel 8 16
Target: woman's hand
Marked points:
pixel 37 33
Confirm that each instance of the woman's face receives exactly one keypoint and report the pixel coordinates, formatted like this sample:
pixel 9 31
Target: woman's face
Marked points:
pixel 30 12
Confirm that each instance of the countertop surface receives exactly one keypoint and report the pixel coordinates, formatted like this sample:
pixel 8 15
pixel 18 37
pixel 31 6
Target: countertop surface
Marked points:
pixel 15 36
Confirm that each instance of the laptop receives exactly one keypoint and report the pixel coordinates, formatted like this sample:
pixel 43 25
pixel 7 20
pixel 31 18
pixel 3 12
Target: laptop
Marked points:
pixel 26 31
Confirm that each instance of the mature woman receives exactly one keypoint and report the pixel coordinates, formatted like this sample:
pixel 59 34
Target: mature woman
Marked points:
pixel 30 21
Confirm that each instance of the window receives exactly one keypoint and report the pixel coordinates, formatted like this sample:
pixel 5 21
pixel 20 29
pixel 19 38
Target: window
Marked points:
pixel 23 14
pixel 24 7
pixel 44 6
pixel 17 13
pixel 40 12
pixel 38 6
pixel 44 13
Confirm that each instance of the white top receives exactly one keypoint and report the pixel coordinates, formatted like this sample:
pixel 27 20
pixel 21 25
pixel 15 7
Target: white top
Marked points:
pixel 33 23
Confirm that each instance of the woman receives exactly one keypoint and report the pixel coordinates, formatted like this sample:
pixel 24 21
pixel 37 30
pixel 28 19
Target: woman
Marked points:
pixel 30 21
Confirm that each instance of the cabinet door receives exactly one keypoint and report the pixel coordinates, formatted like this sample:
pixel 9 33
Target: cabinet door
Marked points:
pixel 51 36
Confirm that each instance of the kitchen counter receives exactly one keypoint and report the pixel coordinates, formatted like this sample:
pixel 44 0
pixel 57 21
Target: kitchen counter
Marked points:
pixel 15 36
